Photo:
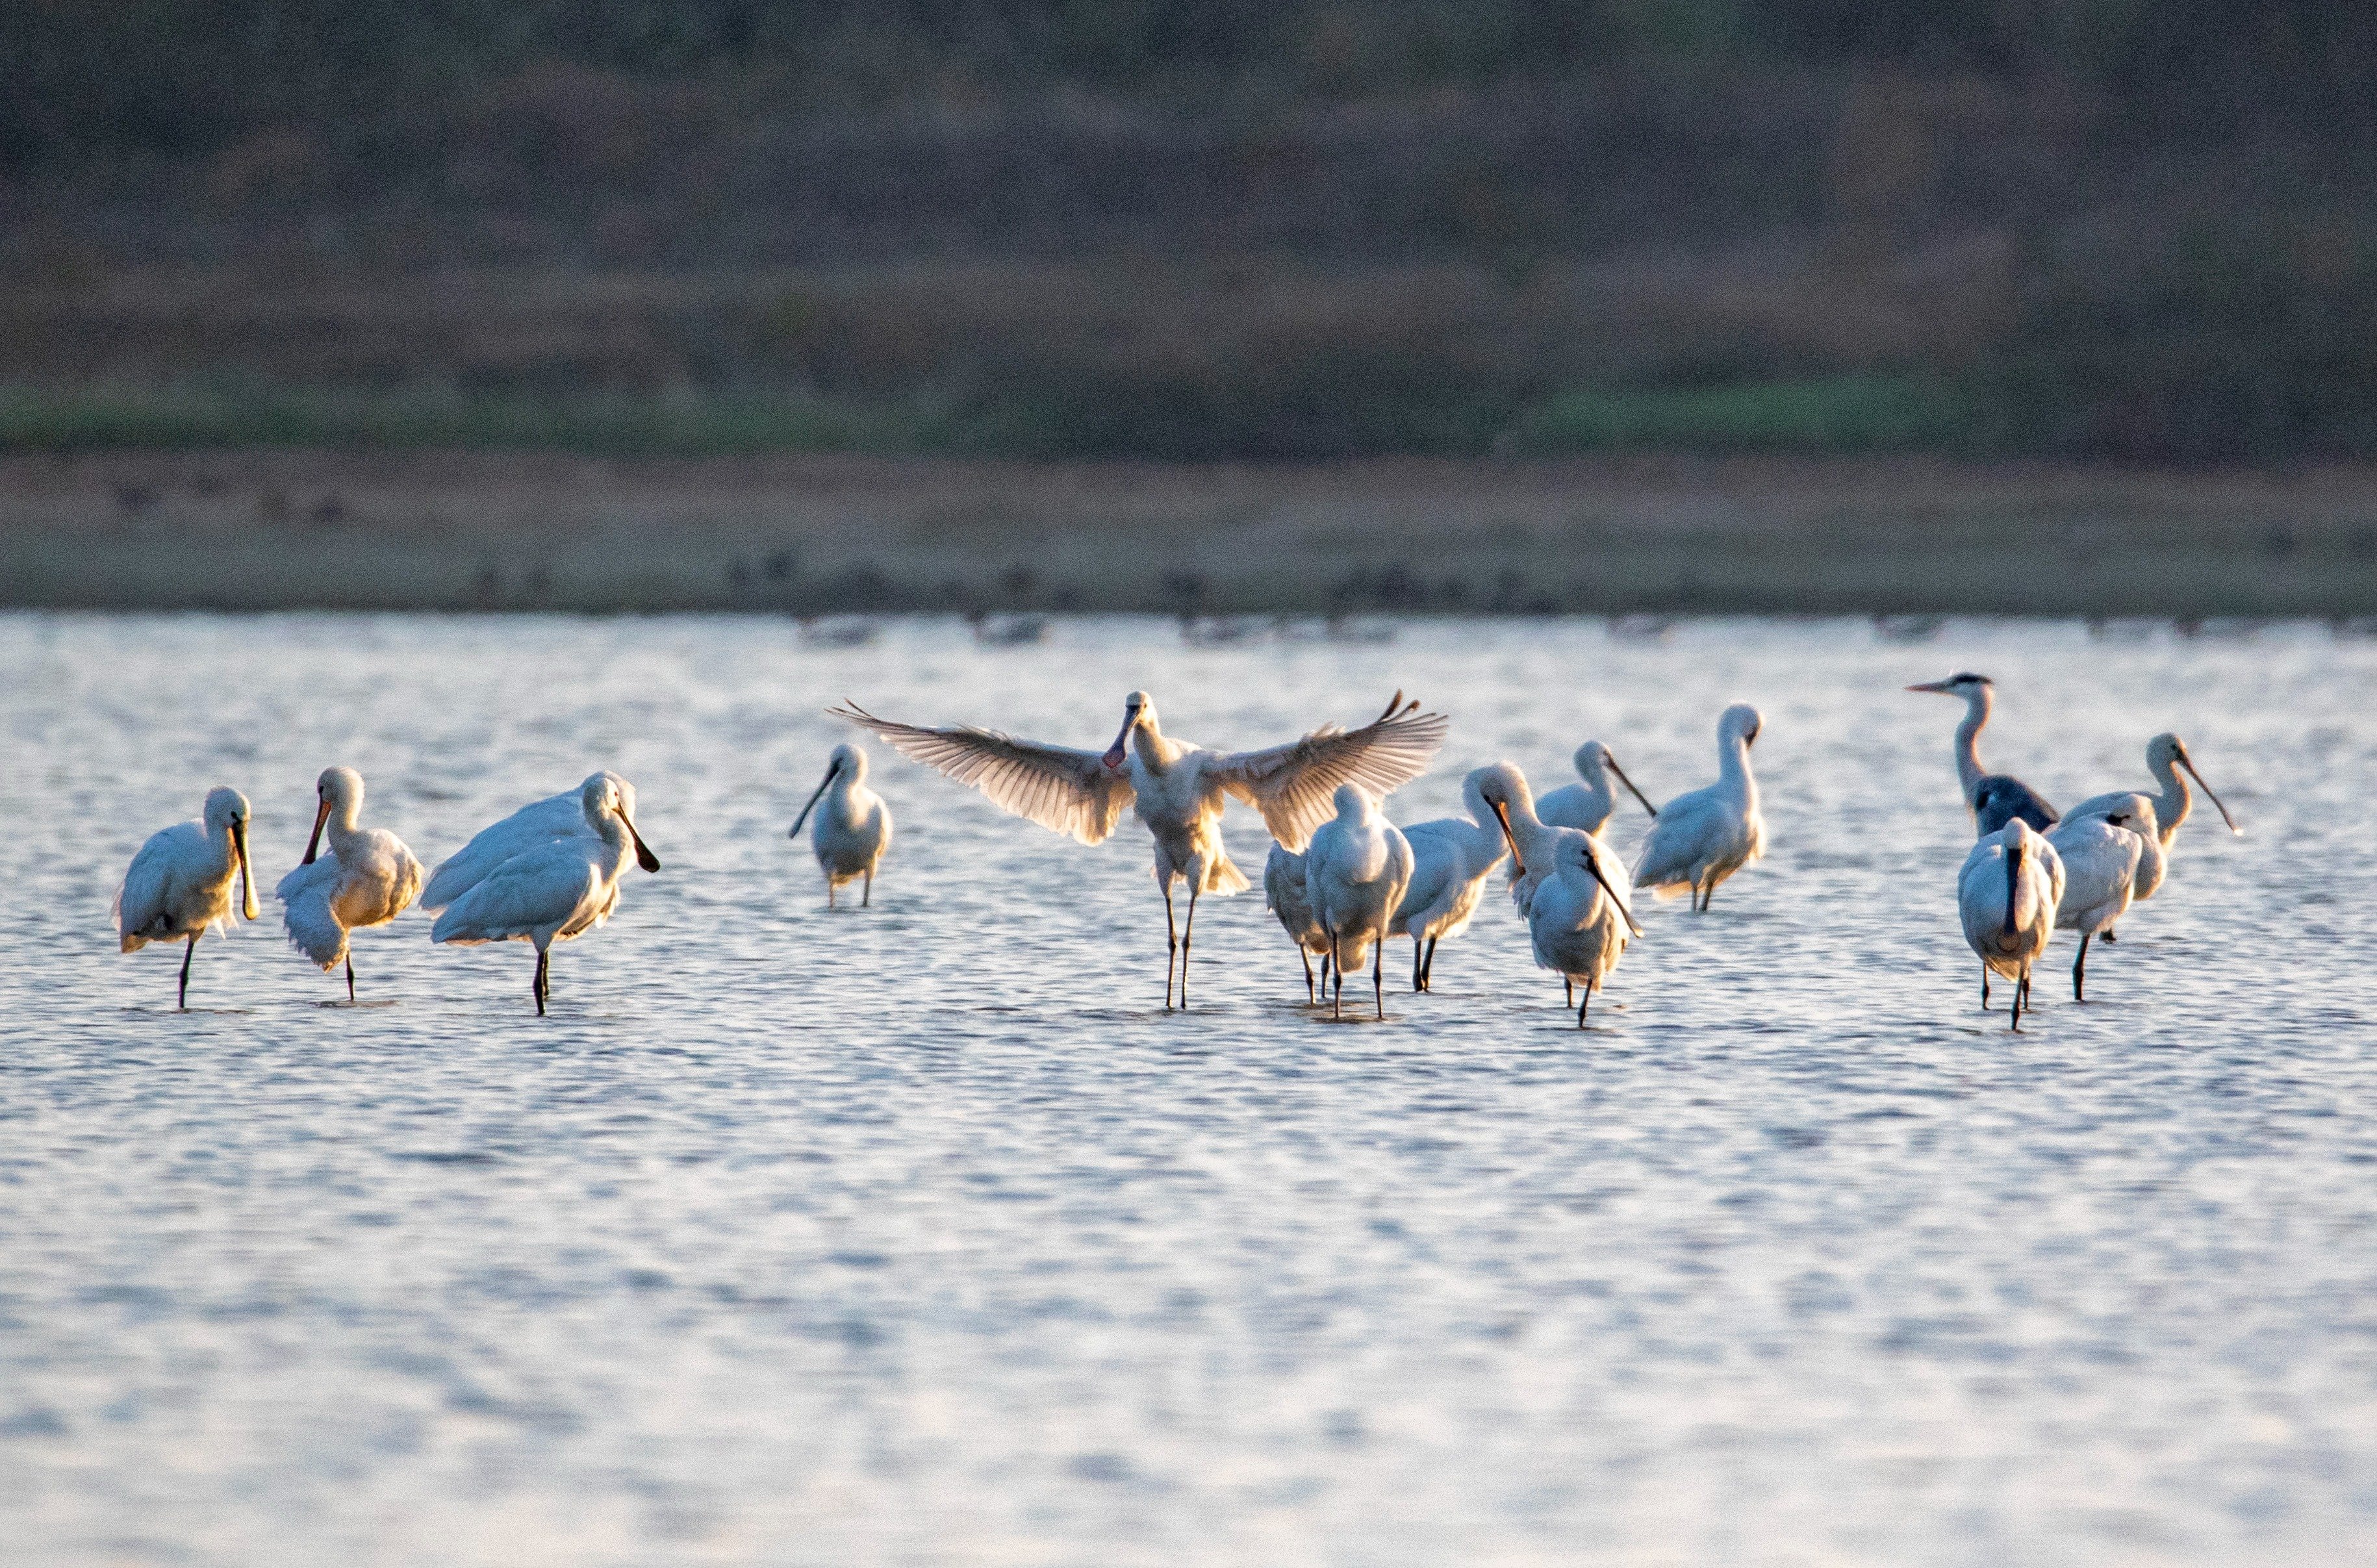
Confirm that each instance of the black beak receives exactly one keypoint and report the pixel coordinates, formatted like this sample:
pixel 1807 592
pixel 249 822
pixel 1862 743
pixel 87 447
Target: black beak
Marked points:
pixel 1511 838
pixel 815 797
pixel 1611 763
pixel 2206 788
pixel 322 815
pixel 644 857
pixel 1593 863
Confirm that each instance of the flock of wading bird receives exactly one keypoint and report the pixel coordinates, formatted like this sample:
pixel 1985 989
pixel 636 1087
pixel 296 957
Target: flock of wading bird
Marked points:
pixel 1341 878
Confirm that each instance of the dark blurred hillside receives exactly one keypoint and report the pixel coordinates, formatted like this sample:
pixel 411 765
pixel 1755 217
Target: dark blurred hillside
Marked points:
pixel 2099 227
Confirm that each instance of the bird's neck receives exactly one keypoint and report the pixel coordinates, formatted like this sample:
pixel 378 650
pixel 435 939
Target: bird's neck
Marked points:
pixel 1968 748
pixel 2174 803
pixel 1733 767
pixel 1152 748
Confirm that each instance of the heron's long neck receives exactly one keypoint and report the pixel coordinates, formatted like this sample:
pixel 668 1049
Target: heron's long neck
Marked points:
pixel 2174 803
pixel 1968 748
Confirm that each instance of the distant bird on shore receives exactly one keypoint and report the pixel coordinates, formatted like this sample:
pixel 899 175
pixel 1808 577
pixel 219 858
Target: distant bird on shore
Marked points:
pixel 2100 852
pixel 2166 756
pixel 1452 858
pixel 1007 631
pixel 555 890
pixel 1705 835
pixel 1179 789
pixel 179 883
pixel 2007 893
pixel 1283 895
pixel 1355 876
pixel 539 822
pixel 853 830
pixel 368 879
pixel 1587 806
pixel 1978 692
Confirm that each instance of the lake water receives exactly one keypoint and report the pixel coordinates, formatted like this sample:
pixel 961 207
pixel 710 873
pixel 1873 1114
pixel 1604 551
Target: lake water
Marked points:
pixel 921 1235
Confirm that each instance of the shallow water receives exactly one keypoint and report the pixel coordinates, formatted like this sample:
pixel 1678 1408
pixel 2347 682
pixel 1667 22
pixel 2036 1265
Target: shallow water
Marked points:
pixel 922 1235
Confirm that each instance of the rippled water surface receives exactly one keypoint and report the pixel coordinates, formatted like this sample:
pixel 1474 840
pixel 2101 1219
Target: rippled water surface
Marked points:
pixel 922 1235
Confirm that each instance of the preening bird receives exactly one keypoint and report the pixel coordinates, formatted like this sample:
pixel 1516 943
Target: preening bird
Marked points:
pixel 1178 789
pixel 2166 756
pixel 853 830
pixel 2100 850
pixel 1576 919
pixel 1452 857
pixel 555 890
pixel 368 879
pixel 180 881
pixel 1587 806
pixel 1978 693
pixel 1355 874
pixel 1283 895
pixel 540 822
pixel 2007 893
pixel 1704 836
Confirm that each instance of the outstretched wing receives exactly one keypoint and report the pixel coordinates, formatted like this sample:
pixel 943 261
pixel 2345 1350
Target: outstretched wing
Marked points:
pixel 1291 784
pixel 1062 789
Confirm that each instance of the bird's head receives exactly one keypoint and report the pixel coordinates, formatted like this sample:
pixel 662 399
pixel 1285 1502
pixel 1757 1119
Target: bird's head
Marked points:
pixel 226 812
pixel 340 790
pixel 1963 683
pixel 1137 709
pixel 1741 721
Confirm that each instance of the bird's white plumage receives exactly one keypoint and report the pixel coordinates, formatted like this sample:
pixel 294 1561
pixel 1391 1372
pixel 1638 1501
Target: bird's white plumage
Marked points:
pixel 541 821
pixel 179 881
pixel 1586 806
pixel 2006 903
pixel 1705 835
pixel 853 826
pixel 1356 870
pixel 1452 858
pixel 368 877
pixel 2167 760
pixel 1285 896
pixel 1575 924
pixel 2100 853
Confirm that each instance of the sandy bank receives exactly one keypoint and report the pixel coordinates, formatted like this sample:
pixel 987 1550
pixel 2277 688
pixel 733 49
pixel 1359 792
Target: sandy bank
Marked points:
pixel 480 530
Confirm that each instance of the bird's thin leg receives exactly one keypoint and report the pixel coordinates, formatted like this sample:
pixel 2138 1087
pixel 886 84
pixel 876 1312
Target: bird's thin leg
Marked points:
pixel 828 890
pixel 867 893
pixel 1567 991
pixel 1171 944
pixel 1307 972
pixel 2021 989
pixel 1709 897
pixel 181 997
pixel 1428 970
pixel 1416 967
pixel 1188 935
pixel 1337 994
pixel 1377 974
pixel 1985 987
pixel 351 976
pixel 539 985
pixel 1582 1006
pixel 2080 968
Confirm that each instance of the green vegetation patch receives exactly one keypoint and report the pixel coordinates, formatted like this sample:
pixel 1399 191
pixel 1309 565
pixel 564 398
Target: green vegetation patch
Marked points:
pixel 1835 413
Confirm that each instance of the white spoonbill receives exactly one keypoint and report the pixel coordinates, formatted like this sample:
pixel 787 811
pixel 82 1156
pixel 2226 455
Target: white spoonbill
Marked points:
pixel 1705 835
pixel 1452 857
pixel 854 828
pixel 1178 788
pixel 368 879
pixel 2166 755
pixel 180 882
pixel 555 890
pixel 1576 920
pixel 540 822
pixel 1283 895
pixel 2007 893
pixel 2100 851
pixel 1355 874
pixel 1587 806
pixel 1978 692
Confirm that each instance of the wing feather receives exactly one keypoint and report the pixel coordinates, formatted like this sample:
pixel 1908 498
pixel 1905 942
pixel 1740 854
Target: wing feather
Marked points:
pixel 1293 784
pixel 1064 790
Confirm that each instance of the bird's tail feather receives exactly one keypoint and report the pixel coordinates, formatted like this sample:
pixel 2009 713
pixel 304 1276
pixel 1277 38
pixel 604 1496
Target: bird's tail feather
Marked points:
pixel 1223 876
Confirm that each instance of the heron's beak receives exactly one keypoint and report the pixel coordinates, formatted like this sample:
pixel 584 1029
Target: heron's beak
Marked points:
pixel 1593 863
pixel 322 815
pixel 2209 796
pixel 1517 859
pixel 1113 759
pixel 644 857
pixel 246 887
pixel 1940 686
pixel 818 796
pixel 1611 763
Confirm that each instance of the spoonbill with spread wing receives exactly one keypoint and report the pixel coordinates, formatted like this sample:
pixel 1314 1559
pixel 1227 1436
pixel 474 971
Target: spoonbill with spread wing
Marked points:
pixel 180 881
pixel 1178 789
pixel 368 879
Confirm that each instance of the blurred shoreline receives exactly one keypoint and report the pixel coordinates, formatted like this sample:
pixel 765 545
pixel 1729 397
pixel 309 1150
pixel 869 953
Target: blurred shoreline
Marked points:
pixel 479 531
